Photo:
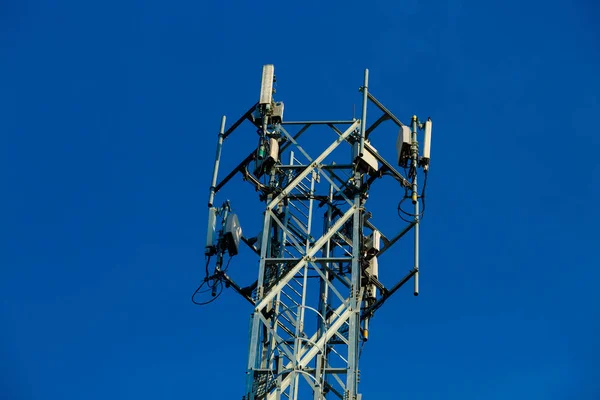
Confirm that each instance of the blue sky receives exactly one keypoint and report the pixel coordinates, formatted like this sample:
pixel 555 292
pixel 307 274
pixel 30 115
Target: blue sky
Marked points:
pixel 108 119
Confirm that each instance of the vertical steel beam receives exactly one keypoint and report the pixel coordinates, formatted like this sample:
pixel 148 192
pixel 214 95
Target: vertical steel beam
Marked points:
pixel 254 355
pixel 354 320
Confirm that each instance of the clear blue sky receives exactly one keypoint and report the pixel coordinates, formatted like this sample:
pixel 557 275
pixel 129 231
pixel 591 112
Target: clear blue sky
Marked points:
pixel 108 119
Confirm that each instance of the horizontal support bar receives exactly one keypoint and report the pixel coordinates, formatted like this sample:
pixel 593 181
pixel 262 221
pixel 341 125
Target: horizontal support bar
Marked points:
pixel 394 240
pixel 369 311
pixel 239 121
pixel 317 122
pixel 250 244
pixel 237 169
pixel 385 110
pixel 319 260
pixel 320 197
pixel 403 181
pixel 369 225
pixel 244 292
pixel 329 370
pixel 325 167
pixel 381 119
pixel 371 280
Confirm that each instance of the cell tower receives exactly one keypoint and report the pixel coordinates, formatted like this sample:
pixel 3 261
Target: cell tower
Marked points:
pixel 318 277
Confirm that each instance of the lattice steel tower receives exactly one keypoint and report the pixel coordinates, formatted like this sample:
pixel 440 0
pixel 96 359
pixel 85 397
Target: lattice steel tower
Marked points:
pixel 317 284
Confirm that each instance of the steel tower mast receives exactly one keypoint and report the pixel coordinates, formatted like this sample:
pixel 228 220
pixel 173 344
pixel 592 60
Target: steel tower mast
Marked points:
pixel 317 284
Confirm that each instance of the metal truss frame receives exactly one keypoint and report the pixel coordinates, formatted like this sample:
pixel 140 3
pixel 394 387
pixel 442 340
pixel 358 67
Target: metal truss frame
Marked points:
pixel 309 297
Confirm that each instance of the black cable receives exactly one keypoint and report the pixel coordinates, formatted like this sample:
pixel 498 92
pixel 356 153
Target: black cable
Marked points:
pixel 210 287
pixel 227 265
pixel 420 215
pixel 423 191
pixel 402 213
pixel 204 281
pixel 362 345
pixel 207 263
pixel 199 291
pixel 216 296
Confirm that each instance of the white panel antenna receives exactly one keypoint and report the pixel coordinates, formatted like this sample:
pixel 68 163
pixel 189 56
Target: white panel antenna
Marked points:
pixel 266 87
pixel 373 246
pixel 367 162
pixel 427 143
pixel 403 145
pixel 210 234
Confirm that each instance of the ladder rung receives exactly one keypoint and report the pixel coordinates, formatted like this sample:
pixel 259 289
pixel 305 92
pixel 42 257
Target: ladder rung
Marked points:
pixel 292 300
pixel 298 282
pixel 299 201
pixel 295 291
pixel 293 240
pixel 300 224
pixel 297 230
pixel 304 187
pixel 296 207
pixel 285 328
pixel 288 328
pixel 290 253
pixel 301 286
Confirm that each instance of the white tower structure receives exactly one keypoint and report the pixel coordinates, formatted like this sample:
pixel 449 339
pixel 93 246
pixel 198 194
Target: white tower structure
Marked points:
pixel 317 284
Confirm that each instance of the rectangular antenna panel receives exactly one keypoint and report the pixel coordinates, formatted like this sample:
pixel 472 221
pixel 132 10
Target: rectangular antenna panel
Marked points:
pixel 266 87
pixel 212 221
pixel 373 244
pixel 403 145
pixel 273 150
pixel 367 162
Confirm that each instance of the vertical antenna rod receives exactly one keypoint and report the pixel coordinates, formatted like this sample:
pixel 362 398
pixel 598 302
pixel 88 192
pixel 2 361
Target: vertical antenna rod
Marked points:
pixel 415 198
pixel 363 118
pixel 213 184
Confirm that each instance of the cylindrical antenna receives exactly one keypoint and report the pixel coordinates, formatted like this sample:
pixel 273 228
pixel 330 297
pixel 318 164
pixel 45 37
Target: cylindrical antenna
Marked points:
pixel 363 118
pixel 426 144
pixel 213 185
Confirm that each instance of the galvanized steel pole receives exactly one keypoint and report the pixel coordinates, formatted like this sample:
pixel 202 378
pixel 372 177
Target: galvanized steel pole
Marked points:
pixel 363 119
pixel 415 199
pixel 213 185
